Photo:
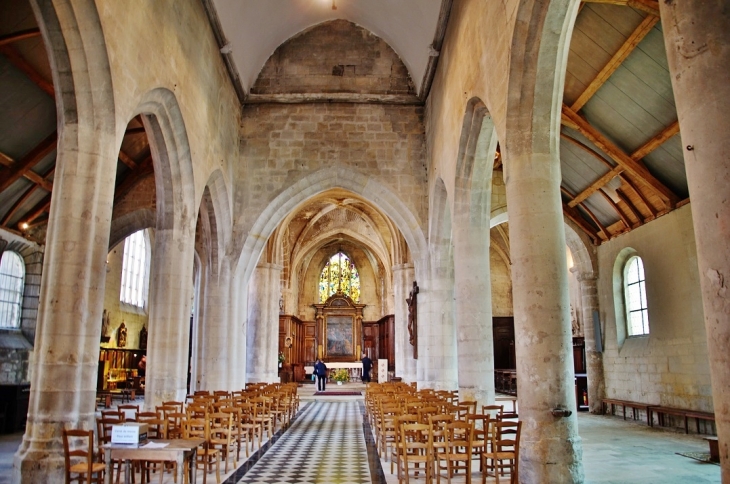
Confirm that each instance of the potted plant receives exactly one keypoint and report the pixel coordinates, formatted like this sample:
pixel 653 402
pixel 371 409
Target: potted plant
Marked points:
pixel 281 359
pixel 341 375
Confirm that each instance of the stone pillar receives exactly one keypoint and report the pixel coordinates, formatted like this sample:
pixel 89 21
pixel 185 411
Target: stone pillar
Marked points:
pixel 405 365
pixel 216 334
pixel 594 358
pixel 473 295
pixel 437 364
pixel 68 331
pixel 697 39
pixel 238 296
pixel 550 449
pixel 263 324
pixel 171 291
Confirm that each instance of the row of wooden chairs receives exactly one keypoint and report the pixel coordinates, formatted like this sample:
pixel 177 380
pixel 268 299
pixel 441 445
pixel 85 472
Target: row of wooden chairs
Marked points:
pixel 227 422
pixel 431 432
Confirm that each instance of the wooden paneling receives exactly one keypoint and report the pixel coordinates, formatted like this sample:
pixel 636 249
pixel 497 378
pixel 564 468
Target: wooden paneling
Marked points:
pixel 503 331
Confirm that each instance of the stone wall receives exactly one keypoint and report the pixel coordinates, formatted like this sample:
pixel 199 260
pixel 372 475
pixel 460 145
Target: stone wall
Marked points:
pixel 670 366
pixel 16 347
pixel 283 143
pixel 349 59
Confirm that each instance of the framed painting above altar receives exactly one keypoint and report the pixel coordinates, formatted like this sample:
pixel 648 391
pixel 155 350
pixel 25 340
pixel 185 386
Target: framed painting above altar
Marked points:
pixel 340 332
pixel 339 329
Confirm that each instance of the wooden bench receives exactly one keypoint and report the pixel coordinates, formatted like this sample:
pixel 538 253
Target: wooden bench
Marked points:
pixel 661 412
pixel 105 397
pixel 634 406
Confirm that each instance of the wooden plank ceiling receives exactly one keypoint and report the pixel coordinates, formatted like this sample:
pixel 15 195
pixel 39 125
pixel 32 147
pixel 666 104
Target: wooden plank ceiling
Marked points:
pixel 621 158
pixel 28 134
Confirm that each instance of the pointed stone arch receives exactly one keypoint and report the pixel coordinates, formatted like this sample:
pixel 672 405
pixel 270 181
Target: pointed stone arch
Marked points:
pixel 366 186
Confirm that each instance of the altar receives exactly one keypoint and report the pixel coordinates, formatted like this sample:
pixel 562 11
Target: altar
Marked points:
pixel 353 367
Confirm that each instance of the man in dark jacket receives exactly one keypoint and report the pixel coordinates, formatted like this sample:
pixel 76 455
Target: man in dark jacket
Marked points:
pixel 321 371
pixel 367 365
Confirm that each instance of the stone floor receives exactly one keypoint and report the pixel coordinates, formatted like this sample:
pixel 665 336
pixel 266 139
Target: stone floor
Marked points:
pixel 329 431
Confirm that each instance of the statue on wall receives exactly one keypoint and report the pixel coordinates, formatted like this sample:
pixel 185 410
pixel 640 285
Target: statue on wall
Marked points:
pixel 143 338
pixel 412 301
pixel 574 323
pixel 122 335
pixel 104 324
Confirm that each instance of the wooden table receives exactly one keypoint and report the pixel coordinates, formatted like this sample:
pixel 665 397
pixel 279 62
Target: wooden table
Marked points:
pixel 176 450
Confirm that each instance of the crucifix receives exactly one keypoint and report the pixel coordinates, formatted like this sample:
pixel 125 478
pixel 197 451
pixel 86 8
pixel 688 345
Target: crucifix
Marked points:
pixel 412 301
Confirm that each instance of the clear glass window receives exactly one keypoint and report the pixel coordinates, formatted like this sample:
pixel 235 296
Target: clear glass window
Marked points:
pixel 12 279
pixel 637 314
pixel 134 270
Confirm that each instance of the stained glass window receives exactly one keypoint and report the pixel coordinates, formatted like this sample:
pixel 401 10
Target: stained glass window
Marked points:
pixel 635 297
pixel 339 274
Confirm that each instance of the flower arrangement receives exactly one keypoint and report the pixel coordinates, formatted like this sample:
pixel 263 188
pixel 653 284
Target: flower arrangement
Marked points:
pixel 341 375
pixel 281 357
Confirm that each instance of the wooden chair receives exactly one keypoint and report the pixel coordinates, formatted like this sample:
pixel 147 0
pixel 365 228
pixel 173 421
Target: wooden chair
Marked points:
pixel 157 429
pixel 397 456
pixel 79 463
pixel 104 436
pixel 417 442
pixel 222 436
pixel 240 434
pixel 504 453
pixel 199 428
pixel 129 411
pixel 388 427
pixel 496 411
pixel 146 415
pixel 480 435
pixel 457 456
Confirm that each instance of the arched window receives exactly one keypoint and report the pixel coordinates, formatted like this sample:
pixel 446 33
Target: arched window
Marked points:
pixel 134 270
pixel 12 277
pixel 637 314
pixel 339 275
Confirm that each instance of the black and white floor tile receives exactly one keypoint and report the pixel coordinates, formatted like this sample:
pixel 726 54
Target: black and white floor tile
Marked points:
pixel 325 444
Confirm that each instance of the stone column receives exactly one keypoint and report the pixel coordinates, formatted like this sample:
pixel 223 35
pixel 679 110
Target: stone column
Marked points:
pixel 216 334
pixel 594 358
pixel 697 39
pixel 405 365
pixel 68 331
pixel 550 449
pixel 263 324
pixel 473 295
pixel 171 290
pixel 437 364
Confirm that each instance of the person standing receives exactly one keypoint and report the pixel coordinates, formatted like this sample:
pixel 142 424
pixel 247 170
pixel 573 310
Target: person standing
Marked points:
pixel 320 369
pixel 367 365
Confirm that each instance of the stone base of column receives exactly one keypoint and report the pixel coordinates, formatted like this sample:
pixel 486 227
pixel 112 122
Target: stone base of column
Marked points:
pixel 535 467
pixel 44 463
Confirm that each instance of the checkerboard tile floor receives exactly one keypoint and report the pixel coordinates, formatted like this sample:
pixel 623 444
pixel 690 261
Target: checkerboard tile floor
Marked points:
pixel 324 445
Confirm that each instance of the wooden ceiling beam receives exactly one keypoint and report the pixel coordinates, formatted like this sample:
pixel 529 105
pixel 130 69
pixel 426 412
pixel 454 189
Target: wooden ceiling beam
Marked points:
pixel 649 6
pixel 17 60
pixel 29 161
pixel 578 219
pixel 627 48
pixel 142 170
pixel 20 35
pixel 630 165
pixel 575 212
pixel 40 208
pixel 127 160
pixel 627 223
pixel 634 211
pixel 596 185
pixel 626 182
pixel 18 203
pixel 656 141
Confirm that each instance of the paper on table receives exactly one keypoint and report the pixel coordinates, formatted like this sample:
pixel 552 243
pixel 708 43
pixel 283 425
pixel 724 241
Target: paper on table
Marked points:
pixel 154 445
